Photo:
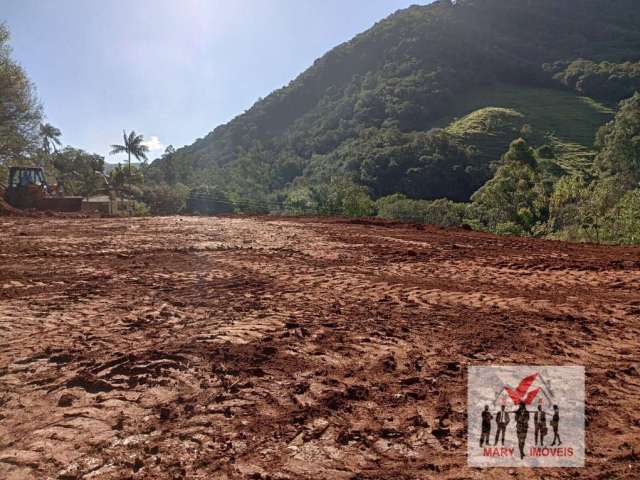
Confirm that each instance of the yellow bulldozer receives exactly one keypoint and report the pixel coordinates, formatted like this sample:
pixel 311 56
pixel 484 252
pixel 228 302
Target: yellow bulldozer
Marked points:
pixel 28 188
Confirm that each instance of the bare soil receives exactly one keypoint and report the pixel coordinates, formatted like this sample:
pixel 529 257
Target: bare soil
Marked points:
pixel 256 348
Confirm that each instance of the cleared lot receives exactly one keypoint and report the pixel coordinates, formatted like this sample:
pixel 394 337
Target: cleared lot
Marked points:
pixel 253 347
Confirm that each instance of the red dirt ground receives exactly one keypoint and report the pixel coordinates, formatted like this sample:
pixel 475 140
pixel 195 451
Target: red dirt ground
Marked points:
pixel 289 349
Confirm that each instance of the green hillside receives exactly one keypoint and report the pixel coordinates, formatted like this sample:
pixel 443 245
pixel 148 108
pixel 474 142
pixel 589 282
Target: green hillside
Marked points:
pixel 366 108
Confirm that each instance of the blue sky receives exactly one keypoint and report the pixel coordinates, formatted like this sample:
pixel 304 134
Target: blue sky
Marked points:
pixel 170 69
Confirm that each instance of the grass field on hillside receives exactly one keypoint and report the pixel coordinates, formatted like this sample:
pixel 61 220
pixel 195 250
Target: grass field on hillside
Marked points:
pixel 569 117
pixel 490 118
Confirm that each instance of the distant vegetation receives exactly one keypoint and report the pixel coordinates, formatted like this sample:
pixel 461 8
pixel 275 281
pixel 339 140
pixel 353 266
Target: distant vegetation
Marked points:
pixel 606 80
pixel 500 115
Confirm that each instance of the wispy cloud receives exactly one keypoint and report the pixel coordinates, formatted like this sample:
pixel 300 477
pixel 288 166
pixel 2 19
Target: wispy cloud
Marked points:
pixel 154 143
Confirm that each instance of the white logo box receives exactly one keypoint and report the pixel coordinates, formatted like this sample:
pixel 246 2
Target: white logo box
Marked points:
pixel 544 386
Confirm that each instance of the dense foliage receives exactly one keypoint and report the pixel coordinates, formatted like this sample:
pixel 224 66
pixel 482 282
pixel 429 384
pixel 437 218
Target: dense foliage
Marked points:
pixel 427 165
pixel 605 80
pixel 513 200
pixel 438 212
pixel 76 170
pixel 619 140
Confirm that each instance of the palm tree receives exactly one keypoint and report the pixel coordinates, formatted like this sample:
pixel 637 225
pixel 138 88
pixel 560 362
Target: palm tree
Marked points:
pixel 50 137
pixel 133 145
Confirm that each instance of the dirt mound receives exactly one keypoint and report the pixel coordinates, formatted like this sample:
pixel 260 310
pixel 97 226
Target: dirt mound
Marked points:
pixel 7 210
pixel 185 347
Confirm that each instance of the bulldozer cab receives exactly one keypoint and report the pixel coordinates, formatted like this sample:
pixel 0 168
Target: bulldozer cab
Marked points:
pixel 25 176
pixel 27 187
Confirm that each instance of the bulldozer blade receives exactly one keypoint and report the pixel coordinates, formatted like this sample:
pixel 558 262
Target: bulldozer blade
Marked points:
pixel 60 204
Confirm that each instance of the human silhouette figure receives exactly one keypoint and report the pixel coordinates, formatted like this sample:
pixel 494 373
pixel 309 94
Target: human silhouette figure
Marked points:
pixel 486 426
pixel 522 426
pixel 540 424
pixel 502 419
pixel 555 422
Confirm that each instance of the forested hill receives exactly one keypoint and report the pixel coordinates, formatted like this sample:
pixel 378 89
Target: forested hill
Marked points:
pixel 484 71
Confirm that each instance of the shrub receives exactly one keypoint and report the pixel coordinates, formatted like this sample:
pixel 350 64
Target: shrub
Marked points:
pixel 437 212
pixel 299 201
pixel 343 197
pixel 624 220
pixel 509 228
pixel 164 199
pixel 133 208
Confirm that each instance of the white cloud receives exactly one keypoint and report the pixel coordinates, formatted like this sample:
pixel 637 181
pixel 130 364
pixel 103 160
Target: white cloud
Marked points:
pixel 153 143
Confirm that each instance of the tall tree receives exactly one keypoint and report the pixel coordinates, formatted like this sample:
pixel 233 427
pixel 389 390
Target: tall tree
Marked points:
pixel 514 200
pixel 50 137
pixel 520 152
pixel 81 172
pixel 169 165
pixel 20 112
pixel 619 143
pixel 132 145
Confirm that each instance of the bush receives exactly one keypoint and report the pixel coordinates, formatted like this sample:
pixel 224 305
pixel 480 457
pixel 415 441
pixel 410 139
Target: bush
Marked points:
pixel 300 201
pixel 509 228
pixel 624 220
pixel 437 212
pixel 343 197
pixel 582 211
pixel 164 199
pixel 133 208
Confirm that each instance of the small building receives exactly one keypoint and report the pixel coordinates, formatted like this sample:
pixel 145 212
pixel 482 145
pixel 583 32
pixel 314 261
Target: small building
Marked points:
pixel 99 204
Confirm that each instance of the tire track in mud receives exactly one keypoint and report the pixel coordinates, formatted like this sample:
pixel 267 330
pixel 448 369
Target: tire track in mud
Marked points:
pixel 247 348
